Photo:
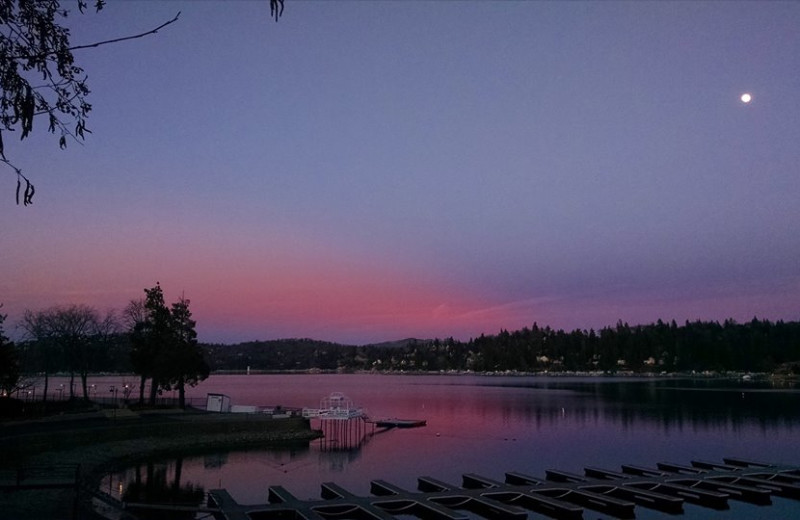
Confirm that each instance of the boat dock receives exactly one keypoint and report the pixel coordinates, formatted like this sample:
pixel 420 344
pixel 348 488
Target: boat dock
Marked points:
pixel 559 494
pixel 339 407
pixel 400 423
pixel 344 425
pixel 336 406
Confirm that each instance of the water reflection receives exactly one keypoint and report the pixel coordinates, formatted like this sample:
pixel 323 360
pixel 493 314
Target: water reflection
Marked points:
pixel 341 442
pixel 343 435
pixel 489 425
pixel 669 404
pixel 216 460
pixel 152 483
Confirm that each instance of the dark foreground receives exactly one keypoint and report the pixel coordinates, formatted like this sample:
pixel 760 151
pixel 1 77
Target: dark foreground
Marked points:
pixel 95 442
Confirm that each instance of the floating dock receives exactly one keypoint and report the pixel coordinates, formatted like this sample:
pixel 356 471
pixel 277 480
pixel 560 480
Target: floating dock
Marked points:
pixel 400 423
pixel 343 423
pixel 559 495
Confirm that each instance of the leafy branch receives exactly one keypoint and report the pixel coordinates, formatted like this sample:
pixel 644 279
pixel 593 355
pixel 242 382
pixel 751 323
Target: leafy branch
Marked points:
pixel 27 195
pixel 33 41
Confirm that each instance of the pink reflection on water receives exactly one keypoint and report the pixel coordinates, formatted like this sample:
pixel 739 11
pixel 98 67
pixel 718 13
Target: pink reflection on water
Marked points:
pixel 490 425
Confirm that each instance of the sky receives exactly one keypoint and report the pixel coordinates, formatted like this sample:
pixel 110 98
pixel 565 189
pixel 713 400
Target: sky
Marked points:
pixel 365 171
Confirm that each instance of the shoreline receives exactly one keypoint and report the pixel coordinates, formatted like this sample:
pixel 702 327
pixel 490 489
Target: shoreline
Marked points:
pixel 705 374
pixel 99 444
pixel 51 439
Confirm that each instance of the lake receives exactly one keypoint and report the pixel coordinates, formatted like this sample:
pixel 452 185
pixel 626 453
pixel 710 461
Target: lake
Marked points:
pixel 493 424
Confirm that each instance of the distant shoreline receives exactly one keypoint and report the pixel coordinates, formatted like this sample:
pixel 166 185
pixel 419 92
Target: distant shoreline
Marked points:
pixel 514 373
pixel 706 374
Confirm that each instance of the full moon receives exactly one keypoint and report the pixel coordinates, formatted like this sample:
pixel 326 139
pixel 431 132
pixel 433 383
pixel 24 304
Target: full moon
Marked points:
pixel 746 98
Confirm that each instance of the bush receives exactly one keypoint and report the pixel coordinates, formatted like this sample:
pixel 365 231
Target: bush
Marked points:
pixel 10 408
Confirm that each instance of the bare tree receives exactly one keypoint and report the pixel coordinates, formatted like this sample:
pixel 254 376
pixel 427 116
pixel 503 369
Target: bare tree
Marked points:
pixel 95 345
pixel 134 319
pixel 72 327
pixel 9 362
pixel 37 327
pixel 133 313
pixel 73 333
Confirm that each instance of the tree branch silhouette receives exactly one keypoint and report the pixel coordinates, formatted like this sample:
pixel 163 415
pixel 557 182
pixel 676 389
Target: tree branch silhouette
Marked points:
pixel 126 38
pixel 33 41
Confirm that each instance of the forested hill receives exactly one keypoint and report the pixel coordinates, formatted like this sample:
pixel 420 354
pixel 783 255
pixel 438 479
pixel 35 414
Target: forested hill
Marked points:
pixel 755 346
pixel 281 354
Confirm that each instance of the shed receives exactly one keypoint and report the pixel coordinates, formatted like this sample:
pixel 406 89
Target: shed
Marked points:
pixel 218 403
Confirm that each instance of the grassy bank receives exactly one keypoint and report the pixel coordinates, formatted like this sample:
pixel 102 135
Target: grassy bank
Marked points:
pixel 100 441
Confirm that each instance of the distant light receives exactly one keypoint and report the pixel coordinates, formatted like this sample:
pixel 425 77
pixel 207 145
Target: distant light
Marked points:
pixel 746 98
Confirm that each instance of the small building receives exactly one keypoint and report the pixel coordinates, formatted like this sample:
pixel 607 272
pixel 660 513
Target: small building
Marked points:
pixel 220 403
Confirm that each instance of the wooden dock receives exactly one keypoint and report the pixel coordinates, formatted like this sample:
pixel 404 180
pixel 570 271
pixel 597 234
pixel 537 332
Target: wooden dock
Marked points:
pixel 559 495
pixel 399 423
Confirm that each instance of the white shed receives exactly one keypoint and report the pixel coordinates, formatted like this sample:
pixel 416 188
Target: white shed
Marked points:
pixel 218 403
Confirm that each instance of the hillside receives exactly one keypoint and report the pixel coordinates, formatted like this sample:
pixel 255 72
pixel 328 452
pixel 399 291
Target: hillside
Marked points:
pixel 755 346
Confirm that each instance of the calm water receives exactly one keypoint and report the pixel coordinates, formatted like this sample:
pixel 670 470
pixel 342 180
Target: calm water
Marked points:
pixel 490 425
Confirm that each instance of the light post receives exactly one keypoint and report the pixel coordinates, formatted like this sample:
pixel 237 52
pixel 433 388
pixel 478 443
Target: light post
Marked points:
pixel 113 390
pixel 60 390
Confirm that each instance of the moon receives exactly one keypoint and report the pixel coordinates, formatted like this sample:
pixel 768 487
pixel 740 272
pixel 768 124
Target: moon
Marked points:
pixel 746 98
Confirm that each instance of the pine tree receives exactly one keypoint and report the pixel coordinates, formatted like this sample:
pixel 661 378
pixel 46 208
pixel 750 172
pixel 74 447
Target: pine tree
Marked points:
pixel 183 362
pixel 149 337
pixel 9 363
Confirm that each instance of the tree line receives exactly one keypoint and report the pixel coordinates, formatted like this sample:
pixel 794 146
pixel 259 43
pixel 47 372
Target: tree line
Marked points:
pixel 149 338
pixel 754 346
pixel 159 344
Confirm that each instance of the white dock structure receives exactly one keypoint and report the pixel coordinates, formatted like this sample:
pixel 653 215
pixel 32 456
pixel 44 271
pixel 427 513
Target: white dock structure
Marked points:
pixel 343 424
pixel 335 406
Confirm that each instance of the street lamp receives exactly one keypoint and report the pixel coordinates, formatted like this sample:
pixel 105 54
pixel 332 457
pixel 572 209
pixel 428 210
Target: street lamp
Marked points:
pixel 113 390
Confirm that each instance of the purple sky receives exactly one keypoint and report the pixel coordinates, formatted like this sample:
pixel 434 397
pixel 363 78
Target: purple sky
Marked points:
pixel 366 171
